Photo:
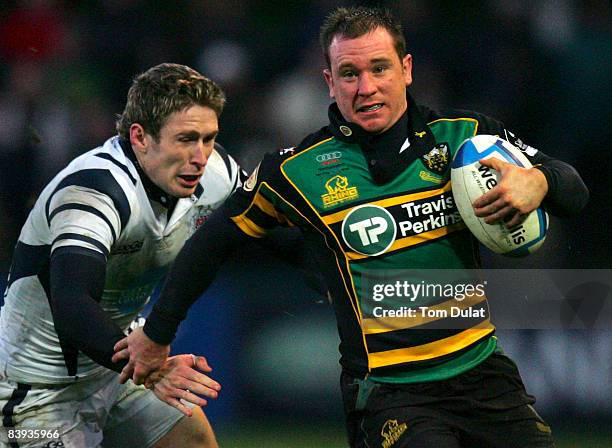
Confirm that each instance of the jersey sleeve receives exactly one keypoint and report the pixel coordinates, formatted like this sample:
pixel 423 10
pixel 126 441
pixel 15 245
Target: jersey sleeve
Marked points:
pixel 87 210
pixel 567 193
pixel 255 208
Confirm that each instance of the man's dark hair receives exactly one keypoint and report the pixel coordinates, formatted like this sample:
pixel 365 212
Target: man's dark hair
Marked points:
pixel 356 21
pixel 163 90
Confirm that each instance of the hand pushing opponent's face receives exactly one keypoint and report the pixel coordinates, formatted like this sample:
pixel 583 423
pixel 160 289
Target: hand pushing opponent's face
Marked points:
pixel 368 79
pixel 175 163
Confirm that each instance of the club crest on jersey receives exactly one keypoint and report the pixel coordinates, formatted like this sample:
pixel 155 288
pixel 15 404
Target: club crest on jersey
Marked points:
pixel 437 159
pixel 200 216
pixel 338 191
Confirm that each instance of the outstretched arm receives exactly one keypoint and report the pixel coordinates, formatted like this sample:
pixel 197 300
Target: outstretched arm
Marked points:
pixel 192 272
pixel 76 284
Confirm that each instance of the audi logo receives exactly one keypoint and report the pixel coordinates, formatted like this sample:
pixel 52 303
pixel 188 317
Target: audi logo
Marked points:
pixel 328 156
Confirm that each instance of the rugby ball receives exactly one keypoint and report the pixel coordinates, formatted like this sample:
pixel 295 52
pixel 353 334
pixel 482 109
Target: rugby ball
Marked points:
pixel 470 180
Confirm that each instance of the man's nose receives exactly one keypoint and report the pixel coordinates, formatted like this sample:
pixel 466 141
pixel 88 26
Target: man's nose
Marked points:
pixel 200 155
pixel 366 86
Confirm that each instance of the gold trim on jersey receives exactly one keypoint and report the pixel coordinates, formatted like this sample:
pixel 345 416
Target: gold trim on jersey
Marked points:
pixel 431 350
pixel 249 227
pixel 375 325
pixel 402 243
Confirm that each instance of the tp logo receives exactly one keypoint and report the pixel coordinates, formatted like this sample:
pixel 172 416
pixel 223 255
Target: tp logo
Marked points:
pixel 369 230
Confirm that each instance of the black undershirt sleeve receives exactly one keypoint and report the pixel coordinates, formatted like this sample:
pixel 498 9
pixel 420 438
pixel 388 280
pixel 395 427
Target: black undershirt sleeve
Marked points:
pixel 192 272
pixel 77 281
pixel 567 193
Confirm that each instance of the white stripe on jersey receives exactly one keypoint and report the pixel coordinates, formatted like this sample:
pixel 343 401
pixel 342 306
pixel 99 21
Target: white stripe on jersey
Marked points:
pixel 97 202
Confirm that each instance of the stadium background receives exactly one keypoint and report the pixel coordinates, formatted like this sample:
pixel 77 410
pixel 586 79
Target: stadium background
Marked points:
pixel 542 66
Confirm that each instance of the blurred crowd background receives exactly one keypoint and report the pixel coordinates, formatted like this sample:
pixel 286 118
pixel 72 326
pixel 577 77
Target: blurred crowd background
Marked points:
pixel 541 66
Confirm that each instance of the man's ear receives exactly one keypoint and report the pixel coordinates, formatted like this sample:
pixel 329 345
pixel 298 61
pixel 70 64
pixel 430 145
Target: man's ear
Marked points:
pixel 407 69
pixel 327 74
pixel 139 138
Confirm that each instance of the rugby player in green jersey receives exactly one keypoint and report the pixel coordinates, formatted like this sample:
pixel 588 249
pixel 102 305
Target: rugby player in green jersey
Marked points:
pixel 371 192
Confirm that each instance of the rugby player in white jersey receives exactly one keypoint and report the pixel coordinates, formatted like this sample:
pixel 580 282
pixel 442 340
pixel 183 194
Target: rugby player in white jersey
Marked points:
pixel 98 240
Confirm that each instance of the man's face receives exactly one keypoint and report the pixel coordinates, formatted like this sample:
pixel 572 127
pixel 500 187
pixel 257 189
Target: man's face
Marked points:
pixel 176 162
pixel 368 80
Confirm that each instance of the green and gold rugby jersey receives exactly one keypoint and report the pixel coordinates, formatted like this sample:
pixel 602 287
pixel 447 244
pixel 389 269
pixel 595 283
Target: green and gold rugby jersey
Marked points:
pixel 361 220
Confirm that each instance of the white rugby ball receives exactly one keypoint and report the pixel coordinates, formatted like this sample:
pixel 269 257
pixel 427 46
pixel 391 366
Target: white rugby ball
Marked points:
pixel 471 180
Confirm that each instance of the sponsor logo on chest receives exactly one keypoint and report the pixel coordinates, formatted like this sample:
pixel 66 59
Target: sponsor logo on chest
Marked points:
pixel 371 230
pixel 128 248
pixel 339 191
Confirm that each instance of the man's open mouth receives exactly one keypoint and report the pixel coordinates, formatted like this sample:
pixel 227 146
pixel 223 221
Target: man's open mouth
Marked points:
pixel 189 177
pixel 370 108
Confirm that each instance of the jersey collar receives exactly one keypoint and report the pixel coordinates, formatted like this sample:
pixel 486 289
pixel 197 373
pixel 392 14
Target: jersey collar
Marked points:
pixel 153 191
pixel 385 162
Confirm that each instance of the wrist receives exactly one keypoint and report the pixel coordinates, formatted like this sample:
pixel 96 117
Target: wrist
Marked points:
pixel 159 329
pixel 542 177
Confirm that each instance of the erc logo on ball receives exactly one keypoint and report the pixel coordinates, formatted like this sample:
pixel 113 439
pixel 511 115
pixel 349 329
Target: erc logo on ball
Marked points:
pixel 369 230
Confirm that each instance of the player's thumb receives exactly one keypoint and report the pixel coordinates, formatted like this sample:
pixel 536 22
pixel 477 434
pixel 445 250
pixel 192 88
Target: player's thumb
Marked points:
pixel 202 364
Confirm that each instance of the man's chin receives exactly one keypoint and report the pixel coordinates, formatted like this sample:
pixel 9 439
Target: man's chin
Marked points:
pixel 182 192
pixel 372 126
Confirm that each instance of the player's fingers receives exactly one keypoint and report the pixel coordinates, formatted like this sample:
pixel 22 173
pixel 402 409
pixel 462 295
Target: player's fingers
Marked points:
pixel 191 397
pixel 174 403
pixel 204 380
pixel 210 390
pixel 121 354
pixel 500 214
pixel 490 209
pixel 126 373
pixel 517 219
pixel 140 373
pixel 121 344
pixel 486 199
pixel 492 162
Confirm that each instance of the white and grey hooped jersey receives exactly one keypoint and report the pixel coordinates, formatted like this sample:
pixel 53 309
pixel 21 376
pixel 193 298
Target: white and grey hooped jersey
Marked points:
pixel 98 202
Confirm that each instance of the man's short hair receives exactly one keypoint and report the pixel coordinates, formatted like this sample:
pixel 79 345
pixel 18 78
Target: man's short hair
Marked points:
pixel 356 21
pixel 163 90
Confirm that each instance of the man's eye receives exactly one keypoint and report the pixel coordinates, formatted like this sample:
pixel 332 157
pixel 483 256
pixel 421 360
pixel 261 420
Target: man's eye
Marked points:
pixel 380 68
pixel 348 74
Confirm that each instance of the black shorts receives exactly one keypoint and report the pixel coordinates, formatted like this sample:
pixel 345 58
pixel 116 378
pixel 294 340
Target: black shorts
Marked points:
pixel 484 407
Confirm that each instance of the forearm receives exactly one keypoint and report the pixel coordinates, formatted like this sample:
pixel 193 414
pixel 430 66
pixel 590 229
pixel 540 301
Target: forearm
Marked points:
pixel 567 193
pixel 77 281
pixel 192 272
